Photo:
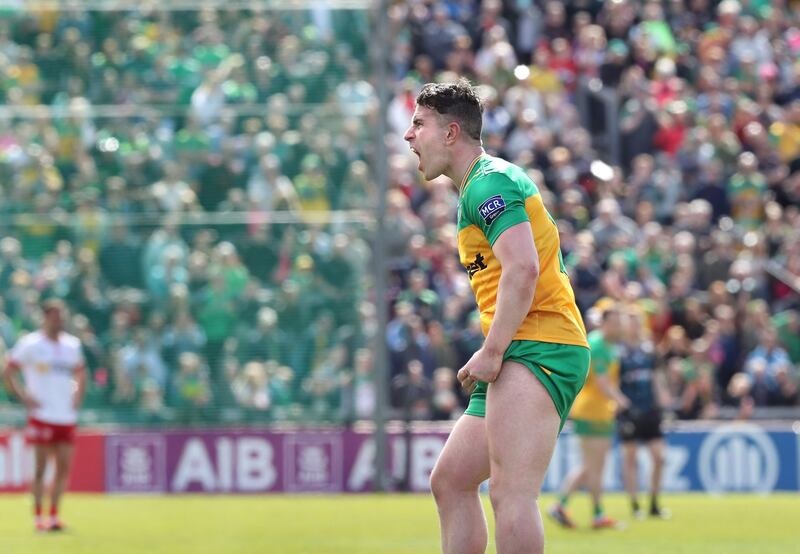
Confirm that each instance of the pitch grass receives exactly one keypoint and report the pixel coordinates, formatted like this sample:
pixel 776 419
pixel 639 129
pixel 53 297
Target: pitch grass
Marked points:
pixel 730 524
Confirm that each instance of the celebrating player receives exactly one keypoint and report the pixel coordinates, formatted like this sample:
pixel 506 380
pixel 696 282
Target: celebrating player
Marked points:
pixel 593 416
pixel 52 368
pixel 535 355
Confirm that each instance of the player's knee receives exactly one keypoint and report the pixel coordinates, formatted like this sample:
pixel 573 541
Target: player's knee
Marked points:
pixel 38 472
pixel 594 467
pixel 448 480
pixel 62 472
pixel 503 492
pixel 443 482
pixel 594 474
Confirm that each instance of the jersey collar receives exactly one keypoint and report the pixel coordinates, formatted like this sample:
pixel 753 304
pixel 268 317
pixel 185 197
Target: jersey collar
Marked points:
pixel 468 174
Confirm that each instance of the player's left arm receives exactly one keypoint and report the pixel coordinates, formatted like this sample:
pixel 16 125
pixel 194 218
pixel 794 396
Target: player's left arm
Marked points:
pixel 516 251
pixel 660 390
pixel 80 384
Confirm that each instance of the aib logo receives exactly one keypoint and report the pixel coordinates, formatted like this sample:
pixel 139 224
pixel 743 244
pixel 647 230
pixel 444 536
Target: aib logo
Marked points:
pixel 136 463
pixel 738 458
pixel 313 466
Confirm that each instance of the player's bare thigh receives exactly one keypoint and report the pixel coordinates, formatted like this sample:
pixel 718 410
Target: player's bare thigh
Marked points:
pixel 630 450
pixel 464 461
pixel 657 448
pixel 594 450
pixel 522 428
pixel 42 453
pixel 63 453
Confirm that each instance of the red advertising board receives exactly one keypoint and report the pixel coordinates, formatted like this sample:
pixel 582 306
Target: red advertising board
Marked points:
pixel 16 462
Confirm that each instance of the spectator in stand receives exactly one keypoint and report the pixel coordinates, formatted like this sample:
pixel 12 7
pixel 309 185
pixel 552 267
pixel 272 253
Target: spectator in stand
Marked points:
pixel 411 392
pixel 191 389
pixel 768 369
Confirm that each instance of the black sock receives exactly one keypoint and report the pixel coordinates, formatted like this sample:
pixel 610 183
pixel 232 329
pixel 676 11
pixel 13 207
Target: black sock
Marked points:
pixel 654 504
pixel 634 505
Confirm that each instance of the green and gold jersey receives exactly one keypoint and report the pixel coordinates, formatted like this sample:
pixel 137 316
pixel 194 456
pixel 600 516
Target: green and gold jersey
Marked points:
pixel 497 195
pixel 591 404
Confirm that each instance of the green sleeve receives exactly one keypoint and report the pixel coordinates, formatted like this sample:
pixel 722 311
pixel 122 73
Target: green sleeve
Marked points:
pixel 601 354
pixel 494 203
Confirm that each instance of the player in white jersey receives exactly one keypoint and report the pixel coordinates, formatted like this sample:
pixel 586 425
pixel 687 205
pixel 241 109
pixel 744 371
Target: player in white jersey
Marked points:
pixel 53 381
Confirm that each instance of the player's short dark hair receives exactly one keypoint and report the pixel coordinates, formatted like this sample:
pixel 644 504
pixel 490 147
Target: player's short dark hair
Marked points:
pixel 458 101
pixel 53 304
pixel 610 312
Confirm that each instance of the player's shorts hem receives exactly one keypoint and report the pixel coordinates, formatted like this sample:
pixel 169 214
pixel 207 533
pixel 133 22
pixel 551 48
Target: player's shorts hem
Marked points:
pixel 39 432
pixel 642 427
pixel 591 428
pixel 475 408
pixel 561 368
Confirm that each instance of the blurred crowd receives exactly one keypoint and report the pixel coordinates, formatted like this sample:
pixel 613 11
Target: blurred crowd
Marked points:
pixel 685 207
pixel 174 177
pixel 144 155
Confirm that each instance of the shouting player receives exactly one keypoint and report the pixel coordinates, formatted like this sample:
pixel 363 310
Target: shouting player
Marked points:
pixel 535 356
pixel 53 375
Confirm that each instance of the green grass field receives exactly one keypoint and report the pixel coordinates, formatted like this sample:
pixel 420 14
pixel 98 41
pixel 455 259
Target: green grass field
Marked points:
pixel 380 524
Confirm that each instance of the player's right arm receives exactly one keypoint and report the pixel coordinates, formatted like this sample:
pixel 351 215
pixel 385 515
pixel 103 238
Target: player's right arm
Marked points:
pixel 612 391
pixel 14 386
pixel 601 362
pixel 496 205
pixel 11 376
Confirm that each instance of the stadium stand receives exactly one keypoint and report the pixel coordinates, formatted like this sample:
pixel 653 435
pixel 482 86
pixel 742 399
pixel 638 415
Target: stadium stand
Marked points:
pixel 168 173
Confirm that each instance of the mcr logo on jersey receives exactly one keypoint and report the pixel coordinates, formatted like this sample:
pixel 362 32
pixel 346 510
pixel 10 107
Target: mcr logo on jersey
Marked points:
pixel 475 266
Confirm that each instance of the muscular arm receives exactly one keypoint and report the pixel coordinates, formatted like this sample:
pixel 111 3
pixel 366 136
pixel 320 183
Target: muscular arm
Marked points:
pixel 516 252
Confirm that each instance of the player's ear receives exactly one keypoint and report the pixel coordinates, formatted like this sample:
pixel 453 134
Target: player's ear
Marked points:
pixel 453 132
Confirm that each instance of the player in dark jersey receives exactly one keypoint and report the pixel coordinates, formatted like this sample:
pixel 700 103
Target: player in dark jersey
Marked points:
pixel 643 385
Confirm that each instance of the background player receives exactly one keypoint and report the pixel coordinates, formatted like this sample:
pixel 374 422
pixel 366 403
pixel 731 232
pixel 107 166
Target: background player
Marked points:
pixel 593 418
pixel 52 367
pixel 644 386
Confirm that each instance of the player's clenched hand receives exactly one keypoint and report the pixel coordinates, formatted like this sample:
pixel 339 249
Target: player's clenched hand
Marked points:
pixel 30 402
pixel 467 382
pixel 482 366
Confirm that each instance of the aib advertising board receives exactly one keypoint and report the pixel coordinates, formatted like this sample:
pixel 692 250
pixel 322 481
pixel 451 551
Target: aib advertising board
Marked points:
pixel 736 457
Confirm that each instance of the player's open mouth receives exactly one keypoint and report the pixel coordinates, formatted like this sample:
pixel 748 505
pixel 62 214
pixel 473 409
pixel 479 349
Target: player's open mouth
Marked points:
pixel 419 157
